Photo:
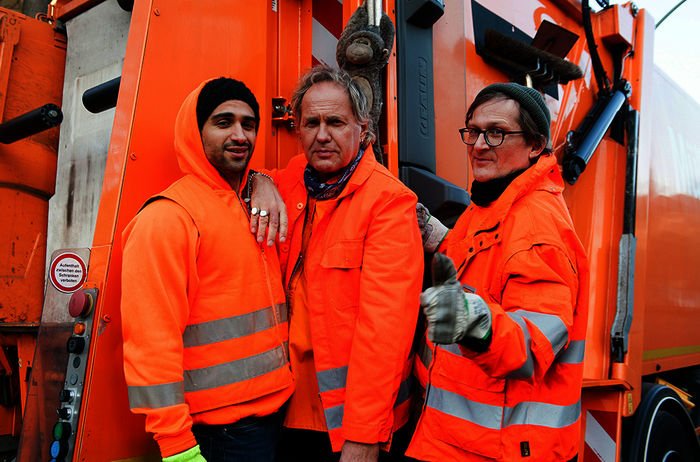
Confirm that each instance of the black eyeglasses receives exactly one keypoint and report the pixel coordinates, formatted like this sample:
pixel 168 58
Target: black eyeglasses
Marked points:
pixel 493 136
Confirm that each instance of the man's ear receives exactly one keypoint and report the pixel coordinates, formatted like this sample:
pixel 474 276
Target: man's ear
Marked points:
pixel 366 136
pixel 537 147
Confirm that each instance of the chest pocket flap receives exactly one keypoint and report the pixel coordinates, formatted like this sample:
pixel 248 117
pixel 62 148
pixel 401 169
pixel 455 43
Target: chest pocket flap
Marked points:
pixel 344 254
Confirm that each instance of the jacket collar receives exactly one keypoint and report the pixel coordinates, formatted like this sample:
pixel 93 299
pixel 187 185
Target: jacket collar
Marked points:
pixel 359 176
pixel 362 172
pixel 544 176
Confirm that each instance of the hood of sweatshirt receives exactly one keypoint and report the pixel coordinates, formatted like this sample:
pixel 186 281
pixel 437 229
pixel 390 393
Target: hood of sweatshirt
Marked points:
pixel 189 149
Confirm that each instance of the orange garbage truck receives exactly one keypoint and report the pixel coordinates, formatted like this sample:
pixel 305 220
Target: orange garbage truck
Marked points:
pixel 112 73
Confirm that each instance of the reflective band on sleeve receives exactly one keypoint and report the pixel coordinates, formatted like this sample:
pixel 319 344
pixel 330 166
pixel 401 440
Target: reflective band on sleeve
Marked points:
pixel 332 379
pixel 542 414
pixel 528 369
pixel 425 354
pixel 404 391
pixel 156 396
pixel 458 406
pixel 221 330
pixel 574 352
pixel 234 371
pixel 334 417
pixel 550 325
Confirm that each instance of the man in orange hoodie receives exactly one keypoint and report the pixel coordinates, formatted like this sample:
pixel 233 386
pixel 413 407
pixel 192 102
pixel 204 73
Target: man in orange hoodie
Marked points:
pixel 203 310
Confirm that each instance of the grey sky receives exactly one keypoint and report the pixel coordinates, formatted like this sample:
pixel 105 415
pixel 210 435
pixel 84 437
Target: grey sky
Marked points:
pixel 676 41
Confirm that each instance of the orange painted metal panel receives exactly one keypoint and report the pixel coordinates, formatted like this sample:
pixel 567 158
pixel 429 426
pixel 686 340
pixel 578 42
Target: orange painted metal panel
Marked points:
pixel 639 72
pixel 293 59
pixel 391 140
pixel 615 26
pixel 451 75
pixel 66 9
pixel 32 57
pixel 671 334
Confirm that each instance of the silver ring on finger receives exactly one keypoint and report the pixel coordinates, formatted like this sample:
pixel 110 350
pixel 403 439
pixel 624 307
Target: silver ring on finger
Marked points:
pixel 263 213
pixel 254 211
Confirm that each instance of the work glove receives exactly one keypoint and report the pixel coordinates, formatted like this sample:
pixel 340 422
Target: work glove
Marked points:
pixel 193 454
pixel 431 230
pixel 453 315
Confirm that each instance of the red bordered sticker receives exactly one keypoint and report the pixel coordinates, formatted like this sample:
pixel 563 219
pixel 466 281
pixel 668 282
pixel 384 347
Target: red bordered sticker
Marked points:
pixel 68 272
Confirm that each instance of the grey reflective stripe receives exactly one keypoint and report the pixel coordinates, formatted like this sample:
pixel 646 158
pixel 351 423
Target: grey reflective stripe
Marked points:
pixel 574 352
pixel 332 379
pixel 425 354
pixel 156 396
pixel 281 312
pixel 488 416
pixel 550 325
pixel 285 345
pixel 220 330
pixel 452 348
pixel 542 414
pixel 234 371
pixel 334 417
pixel 528 368
pixel 458 406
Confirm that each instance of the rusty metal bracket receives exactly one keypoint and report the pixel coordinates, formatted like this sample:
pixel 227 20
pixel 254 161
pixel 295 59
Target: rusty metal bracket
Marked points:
pixel 282 113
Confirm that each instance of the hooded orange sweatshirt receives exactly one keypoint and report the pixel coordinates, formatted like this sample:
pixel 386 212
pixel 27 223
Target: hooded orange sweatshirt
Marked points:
pixel 204 317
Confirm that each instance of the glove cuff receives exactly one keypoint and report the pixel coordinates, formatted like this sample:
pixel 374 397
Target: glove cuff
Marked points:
pixel 185 456
pixel 479 317
pixel 433 233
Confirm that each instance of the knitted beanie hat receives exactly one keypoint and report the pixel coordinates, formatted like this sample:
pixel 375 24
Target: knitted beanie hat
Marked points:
pixel 223 89
pixel 529 99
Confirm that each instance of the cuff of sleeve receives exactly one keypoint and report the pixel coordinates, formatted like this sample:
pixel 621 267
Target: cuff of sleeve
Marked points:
pixel 171 445
pixel 369 434
pixel 475 344
pixel 188 455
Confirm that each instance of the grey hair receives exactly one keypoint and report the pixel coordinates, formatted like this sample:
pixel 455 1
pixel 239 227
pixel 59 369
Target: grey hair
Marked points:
pixel 318 74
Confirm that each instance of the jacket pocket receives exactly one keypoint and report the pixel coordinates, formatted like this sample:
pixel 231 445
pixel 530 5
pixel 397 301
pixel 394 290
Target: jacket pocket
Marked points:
pixel 473 400
pixel 452 365
pixel 339 276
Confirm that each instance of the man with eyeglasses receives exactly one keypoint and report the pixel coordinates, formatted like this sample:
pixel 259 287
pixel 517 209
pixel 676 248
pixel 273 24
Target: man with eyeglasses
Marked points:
pixel 502 358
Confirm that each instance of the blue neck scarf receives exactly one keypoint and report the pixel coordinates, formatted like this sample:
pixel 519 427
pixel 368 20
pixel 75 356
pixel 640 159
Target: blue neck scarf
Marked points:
pixel 319 189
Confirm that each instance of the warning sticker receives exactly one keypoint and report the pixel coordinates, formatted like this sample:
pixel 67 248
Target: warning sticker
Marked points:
pixel 68 272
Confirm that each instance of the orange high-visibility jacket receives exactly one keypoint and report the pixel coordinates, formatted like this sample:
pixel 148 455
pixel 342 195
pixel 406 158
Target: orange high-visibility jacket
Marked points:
pixel 364 268
pixel 204 317
pixel 521 398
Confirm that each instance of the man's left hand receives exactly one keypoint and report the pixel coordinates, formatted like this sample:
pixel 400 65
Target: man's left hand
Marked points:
pixel 359 452
pixel 451 313
pixel 268 212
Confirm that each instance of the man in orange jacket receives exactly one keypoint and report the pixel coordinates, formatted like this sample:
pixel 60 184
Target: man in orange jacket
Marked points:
pixel 502 362
pixel 353 270
pixel 203 307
